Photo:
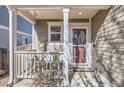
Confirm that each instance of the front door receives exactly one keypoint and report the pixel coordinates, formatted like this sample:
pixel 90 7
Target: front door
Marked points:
pixel 79 45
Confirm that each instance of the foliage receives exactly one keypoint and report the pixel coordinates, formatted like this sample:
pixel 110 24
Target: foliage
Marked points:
pixel 44 46
pixel 46 74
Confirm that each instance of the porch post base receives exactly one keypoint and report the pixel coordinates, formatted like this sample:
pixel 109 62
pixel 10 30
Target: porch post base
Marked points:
pixel 10 84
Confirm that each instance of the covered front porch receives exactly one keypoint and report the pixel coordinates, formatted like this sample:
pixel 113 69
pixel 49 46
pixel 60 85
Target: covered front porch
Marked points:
pixel 60 34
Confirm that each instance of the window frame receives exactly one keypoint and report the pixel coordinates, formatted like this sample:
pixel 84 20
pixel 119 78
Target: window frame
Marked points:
pixel 54 24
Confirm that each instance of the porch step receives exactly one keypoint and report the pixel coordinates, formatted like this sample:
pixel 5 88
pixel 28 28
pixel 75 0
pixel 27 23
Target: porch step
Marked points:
pixel 82 68
pixel 24 83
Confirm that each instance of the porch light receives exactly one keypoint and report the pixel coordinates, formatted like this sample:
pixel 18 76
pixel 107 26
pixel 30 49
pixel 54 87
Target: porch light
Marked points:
pixel 80 13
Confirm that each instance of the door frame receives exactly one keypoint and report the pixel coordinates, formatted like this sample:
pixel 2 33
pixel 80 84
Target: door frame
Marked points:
pixel 88 39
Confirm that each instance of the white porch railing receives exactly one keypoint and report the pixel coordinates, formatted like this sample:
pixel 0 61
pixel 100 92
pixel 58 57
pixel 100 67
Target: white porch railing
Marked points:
pixel 27 63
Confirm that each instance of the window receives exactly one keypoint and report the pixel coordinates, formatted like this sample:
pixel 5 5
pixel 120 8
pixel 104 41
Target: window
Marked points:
pixel 55 33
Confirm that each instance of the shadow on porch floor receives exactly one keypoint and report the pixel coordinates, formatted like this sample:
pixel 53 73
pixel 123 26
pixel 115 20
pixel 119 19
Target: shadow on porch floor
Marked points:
pixel 80 77
pixel 86 77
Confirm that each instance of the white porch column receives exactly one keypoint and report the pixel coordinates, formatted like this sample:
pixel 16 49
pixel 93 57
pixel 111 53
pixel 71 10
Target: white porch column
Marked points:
pixel 12 43
pixel 66 45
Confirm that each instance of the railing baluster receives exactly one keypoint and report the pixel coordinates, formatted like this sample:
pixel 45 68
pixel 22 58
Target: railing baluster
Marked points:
pixel 19 66
pixel 39 62
pixel 42 67
pixel 26 65
pixel 59 60
pixel 16 55
pixel 34 68
pixel 50 65
pixel 22 71
pixel 31 66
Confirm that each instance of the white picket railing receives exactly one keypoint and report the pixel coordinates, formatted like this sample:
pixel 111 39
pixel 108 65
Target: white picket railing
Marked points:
pixel 27 63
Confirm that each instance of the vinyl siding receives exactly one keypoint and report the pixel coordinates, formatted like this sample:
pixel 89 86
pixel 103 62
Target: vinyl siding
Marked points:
pixel 108 35
pixel 4 38
pixel 42 33
pixel 23 25
pixel 4 16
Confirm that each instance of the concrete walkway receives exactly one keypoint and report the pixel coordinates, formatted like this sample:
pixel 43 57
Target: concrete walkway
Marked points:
pixel 24 83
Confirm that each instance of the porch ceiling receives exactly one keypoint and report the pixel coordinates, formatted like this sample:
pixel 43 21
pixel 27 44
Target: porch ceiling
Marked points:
pixel 55 12
pixel 58 14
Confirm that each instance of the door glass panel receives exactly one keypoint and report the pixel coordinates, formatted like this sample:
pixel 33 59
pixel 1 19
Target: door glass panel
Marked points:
pixel 79 42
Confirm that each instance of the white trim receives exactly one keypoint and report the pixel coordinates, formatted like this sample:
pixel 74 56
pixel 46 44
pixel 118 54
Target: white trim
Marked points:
pixel 12 44
pixel 66 45
pixel 20 32
pixel 86 26
pixel 26 18
pixel 55 23
pixel 33 37
pixel 4 27
pixel 49 31
pixel 90 44
pixel 79 27
pixel 79 24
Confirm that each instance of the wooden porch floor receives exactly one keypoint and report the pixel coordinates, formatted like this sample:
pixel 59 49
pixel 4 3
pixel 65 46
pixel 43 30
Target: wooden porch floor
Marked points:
pixel 79 78
pixel 87 78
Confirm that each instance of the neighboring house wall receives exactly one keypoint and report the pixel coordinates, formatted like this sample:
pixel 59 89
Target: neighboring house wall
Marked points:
pixel 4 24
pixel 4 38
pixel 109 48
pixel 3 59
pixel 25 35
pixel 4 16
pixel 41 30
pixel 23 26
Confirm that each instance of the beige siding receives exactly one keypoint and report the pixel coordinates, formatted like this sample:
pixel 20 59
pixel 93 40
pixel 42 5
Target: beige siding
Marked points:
pixel 108 34
pixel 42 28
pixel 42 32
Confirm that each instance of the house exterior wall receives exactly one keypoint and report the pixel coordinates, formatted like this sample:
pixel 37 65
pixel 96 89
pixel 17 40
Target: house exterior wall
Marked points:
pixel 4 38
pixel 108 53
pixel 4 16
pixel 4 23
pixel 41 30
pixel 22 25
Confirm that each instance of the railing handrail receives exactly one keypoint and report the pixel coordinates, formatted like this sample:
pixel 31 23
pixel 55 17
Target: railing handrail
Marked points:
pixel 33 52
pixel 25 45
